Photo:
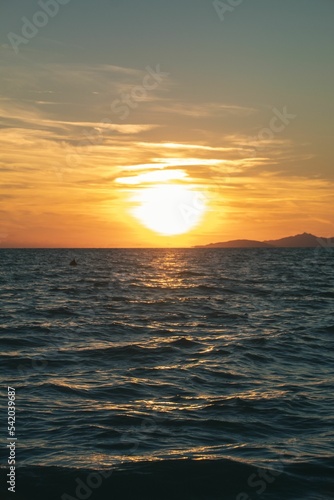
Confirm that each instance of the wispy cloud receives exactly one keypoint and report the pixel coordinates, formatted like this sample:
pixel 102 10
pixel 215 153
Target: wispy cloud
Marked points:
pixel 204 109
pixel 63 147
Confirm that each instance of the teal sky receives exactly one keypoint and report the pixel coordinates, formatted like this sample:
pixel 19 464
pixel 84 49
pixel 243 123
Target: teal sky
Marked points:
pixel 224 79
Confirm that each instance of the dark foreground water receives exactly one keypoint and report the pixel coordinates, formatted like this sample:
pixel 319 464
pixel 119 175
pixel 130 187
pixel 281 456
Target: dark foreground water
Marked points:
pixel 180 374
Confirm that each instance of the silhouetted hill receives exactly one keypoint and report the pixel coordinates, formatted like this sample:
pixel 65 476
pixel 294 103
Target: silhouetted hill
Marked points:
pixel 239 244
pixel 304 240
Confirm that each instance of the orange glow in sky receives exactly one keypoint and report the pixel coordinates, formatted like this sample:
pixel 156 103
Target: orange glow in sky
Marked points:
pixel 186 140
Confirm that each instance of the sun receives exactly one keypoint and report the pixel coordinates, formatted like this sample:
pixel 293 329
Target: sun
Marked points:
pixel 169 209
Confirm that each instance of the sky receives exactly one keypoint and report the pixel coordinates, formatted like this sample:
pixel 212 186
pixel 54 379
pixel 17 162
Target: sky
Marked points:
pixel 164 123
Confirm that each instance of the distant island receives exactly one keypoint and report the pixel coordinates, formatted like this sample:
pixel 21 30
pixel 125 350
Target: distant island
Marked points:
pixel 304 240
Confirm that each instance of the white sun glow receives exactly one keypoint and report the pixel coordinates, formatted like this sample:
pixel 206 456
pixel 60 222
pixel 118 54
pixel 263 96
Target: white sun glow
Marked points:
pixel 169 209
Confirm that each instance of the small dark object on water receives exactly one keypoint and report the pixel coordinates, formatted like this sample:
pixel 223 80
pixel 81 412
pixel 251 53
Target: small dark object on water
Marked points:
pixel 73 263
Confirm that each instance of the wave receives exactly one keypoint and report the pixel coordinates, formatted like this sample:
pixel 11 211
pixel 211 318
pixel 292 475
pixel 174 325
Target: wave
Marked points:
pixel 184 342
pixel 227 355
pixel 189 274
pixel 19 342
pixel 57 312
pixel 123 351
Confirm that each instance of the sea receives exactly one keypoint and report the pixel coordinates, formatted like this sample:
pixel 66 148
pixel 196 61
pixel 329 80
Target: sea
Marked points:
pixel 193 374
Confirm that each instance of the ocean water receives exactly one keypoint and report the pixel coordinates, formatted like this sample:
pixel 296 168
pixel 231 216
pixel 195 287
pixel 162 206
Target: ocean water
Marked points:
pixel 169 373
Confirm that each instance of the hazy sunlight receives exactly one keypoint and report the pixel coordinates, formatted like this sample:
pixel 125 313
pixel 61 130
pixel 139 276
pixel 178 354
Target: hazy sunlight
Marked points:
pixel 169 209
